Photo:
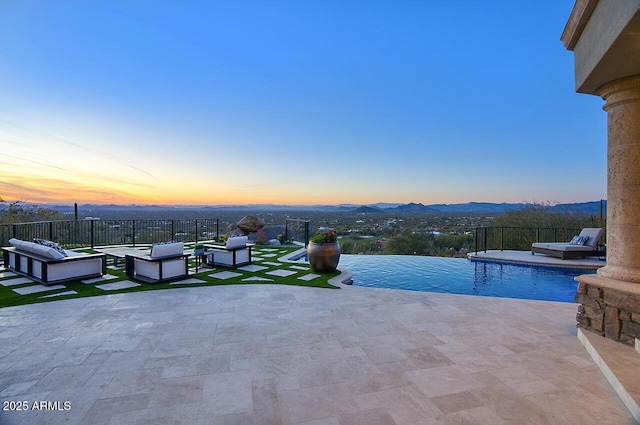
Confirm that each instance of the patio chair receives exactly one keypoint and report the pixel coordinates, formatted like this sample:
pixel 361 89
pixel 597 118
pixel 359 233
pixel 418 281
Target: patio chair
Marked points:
pixel 583 245
pixel 236 252
pixel 165 262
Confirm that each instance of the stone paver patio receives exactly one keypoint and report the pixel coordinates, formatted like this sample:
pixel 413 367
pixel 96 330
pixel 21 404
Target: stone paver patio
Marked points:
pixel 275 354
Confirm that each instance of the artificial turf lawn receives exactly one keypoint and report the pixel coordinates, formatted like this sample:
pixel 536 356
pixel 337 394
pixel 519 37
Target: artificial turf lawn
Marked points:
pixel 10 298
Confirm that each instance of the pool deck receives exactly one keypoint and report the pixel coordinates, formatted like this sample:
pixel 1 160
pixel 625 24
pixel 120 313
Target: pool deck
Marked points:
pixel 619 364
pixel 526 258
pixel 275 354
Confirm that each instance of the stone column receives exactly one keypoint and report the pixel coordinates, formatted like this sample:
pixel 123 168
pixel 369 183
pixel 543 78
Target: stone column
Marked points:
pixel 622 105
pixel 603 34
pixel 610 300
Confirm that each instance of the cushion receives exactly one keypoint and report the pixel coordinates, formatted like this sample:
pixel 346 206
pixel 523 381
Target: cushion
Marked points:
pixel 38 249
pixel 16 243
pixel 47 252
pixel 593 233
pixel 561 246
pixel 50 244
pixel 237 242
pixel 579 240
pixel 167 249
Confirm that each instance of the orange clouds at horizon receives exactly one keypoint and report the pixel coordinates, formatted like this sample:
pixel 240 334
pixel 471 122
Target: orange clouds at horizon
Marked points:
pixel 47 190
pixel 51 190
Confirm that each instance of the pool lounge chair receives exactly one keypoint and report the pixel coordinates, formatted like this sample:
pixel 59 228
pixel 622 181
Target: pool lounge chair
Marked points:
pixel 583 245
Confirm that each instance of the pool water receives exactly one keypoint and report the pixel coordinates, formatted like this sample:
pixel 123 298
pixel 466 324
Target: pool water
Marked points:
pixel 461 276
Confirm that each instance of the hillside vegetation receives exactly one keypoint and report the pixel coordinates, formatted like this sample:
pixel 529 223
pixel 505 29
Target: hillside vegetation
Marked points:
pixel 410 231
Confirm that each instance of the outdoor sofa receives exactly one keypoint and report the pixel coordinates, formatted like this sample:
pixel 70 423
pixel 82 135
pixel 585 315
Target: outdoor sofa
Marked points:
pixel 47 263
pixel 164 262
pixel 583 245
pixel 236 252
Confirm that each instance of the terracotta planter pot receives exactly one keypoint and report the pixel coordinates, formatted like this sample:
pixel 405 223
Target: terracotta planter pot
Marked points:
pixel 323 257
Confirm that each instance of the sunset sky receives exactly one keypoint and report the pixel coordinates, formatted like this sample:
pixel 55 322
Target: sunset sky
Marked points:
pixel 294 102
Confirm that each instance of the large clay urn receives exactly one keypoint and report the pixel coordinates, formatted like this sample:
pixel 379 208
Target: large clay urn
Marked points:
pixel 323 257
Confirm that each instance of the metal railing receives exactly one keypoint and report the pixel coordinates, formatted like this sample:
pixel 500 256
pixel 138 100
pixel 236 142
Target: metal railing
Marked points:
pixel 519 238
pixel 297 229
pixel 90 233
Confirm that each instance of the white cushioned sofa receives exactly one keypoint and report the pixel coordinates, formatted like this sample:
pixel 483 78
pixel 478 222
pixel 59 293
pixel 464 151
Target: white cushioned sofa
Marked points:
pixel 236 252
pixel 165 262
pixel 51 265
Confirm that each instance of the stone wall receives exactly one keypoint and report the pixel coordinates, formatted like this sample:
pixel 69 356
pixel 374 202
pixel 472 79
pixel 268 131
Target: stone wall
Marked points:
pixel 608 312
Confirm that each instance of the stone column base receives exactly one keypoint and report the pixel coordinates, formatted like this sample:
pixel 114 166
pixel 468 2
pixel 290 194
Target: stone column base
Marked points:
pixel 609 307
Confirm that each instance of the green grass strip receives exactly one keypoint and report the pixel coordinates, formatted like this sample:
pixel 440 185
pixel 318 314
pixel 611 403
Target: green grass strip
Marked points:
pixel 8 297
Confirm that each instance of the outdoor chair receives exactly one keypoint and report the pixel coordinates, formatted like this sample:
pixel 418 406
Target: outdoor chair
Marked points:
pixel 582 245
pixel 165 262
pixel 236 252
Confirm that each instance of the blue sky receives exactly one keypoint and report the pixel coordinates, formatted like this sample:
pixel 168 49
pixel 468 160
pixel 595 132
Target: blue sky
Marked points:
pixel 294 102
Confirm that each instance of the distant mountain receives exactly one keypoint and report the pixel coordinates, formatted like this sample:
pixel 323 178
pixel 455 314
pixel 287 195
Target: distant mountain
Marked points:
pixel 488 208
pixel 365 209
pixel 385 205
pixel 412 208
pixel 476 207
pixel 491 208
pixel 583 207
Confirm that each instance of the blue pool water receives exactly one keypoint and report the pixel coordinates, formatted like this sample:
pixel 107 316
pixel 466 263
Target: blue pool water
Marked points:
pixel 461 276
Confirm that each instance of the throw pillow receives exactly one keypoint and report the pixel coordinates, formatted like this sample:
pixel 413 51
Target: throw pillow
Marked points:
pixel 579 240
pixel 50 244
pixel 583 239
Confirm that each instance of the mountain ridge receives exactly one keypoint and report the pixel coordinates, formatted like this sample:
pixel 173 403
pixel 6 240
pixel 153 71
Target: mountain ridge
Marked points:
pixel 590 207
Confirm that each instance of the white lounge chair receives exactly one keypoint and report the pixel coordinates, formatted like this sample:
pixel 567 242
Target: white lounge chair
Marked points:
pixel 236 252
pixel 164 262
pixel 583 245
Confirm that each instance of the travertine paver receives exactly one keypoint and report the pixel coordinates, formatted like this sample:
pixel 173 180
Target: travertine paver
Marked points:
pixel 252 268
pixel 16 281
pixel 256 279
pixel 276 354
pixel 309 277
pixel 25 290
pixel 123 284
pixel 225 275
pixel 281 273
pixel 103 278
pixel 71 292
pixel 188 281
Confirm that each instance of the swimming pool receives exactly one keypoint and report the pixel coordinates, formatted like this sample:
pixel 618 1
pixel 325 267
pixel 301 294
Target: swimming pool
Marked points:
pixel 461 276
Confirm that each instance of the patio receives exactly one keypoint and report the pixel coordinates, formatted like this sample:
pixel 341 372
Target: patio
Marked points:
pixel 274 354
pixel 269 264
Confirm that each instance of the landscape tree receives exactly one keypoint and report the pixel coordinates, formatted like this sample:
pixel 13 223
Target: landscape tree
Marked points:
pixel 540 215
pixel 408 242
pixel 453 244
pixel 539 222
pixel 19 212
